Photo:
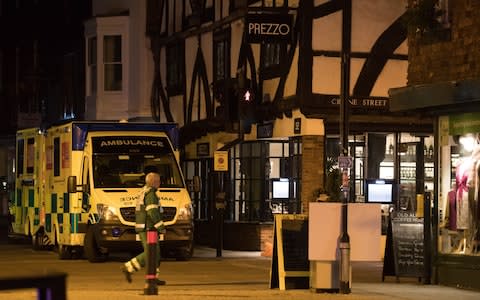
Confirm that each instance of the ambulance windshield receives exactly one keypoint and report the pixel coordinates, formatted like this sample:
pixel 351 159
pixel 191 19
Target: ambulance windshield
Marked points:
pixel 123 162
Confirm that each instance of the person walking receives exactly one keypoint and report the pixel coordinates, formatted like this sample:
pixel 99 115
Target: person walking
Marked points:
pixel 148 216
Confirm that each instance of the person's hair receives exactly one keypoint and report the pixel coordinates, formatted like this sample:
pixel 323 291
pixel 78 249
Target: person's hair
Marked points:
pixel 150 179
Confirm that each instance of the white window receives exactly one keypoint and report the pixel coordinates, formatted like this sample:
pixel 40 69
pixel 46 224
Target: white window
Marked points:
pixel 112 62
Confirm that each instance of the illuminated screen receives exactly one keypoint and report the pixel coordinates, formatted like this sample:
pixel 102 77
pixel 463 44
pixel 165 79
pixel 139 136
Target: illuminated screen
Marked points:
pixel 280 189
pixel 379 191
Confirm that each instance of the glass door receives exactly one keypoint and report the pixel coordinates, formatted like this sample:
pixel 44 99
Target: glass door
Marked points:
pixel 408 176
pixel 416 171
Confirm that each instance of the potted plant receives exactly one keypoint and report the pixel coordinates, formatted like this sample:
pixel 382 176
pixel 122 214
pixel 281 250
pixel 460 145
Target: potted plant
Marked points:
pixel 333 182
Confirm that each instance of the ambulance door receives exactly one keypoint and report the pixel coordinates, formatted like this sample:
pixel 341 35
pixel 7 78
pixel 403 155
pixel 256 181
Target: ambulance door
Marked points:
pixel 86 187
pixel 20 191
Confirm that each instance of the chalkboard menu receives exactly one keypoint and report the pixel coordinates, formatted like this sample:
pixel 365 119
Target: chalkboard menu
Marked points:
pixel 290 264
pixel 407 237
pixel 295 245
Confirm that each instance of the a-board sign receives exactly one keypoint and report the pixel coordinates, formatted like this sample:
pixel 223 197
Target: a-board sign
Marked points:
pixel 290 264
pixel 407 238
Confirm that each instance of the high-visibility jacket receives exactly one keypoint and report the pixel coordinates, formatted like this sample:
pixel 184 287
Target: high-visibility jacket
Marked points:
pixel 149 212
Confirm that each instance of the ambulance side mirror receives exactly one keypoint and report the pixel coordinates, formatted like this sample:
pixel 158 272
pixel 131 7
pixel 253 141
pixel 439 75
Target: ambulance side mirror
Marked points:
pixel 72 184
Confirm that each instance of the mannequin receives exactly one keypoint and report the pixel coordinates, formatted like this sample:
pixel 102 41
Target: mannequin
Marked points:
pixel 473 183
pixel 462 172
pixel 452 208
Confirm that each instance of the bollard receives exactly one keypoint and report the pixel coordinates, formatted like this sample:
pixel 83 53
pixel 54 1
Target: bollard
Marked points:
pixel 151 266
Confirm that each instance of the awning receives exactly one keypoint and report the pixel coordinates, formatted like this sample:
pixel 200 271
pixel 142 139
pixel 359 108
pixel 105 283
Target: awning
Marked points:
pixel 436 97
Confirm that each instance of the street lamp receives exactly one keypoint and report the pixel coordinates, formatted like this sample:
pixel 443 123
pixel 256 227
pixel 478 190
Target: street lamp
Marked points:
pixel 344 239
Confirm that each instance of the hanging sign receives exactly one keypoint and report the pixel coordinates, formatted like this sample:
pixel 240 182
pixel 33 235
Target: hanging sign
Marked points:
pixel 267 27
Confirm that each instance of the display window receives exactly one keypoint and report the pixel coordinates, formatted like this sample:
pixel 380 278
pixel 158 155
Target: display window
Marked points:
pixel 459 186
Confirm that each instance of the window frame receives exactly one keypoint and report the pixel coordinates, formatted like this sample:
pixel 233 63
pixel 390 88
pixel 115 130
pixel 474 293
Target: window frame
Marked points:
pixel 175 55
pixel 223 36
pixel 272 70
pixel 110 75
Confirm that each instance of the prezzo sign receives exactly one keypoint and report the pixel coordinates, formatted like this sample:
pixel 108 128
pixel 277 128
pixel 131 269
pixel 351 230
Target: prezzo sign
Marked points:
pixel 268 27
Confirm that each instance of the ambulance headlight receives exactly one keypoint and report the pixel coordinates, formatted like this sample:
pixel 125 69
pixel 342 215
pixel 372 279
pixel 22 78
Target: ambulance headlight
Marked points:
pixel 185 213
pixel 107 213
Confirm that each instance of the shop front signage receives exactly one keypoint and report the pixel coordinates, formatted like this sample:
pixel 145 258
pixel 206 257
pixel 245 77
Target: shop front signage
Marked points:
pixel 297 126
pixel 203 149
pixel 464 123
pixel 265 130
pixel 268 27
pixel 355 103
pixel 220 161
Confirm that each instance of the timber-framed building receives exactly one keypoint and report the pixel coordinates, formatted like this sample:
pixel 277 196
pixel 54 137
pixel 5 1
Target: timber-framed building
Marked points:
pixel 261 80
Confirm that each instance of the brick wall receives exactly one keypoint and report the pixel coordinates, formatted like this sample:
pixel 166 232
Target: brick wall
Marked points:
pixel 456 58
pixel 312 168
pixel 237 236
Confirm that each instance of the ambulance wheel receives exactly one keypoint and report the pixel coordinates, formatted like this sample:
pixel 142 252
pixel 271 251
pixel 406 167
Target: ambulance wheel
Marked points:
pixel 37 239
pixel 64 251
pixel 90 248
pixel 185 253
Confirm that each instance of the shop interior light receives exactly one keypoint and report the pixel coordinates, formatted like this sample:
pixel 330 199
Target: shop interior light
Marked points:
pixel 467 142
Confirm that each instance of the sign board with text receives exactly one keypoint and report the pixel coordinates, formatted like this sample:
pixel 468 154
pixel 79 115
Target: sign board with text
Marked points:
pixel 220 161
pixel 268 27
pixel 407 238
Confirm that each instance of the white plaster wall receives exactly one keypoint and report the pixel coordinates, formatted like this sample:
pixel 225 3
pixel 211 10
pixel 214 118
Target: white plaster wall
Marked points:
pixel 370 18
pixel 207 49
pixel 394 74
pixel 134 100
pixel 236 41
pixel 191 48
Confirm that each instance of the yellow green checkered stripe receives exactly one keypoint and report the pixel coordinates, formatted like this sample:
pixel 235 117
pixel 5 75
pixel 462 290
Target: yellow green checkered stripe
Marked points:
pixel 63 218
pixel 30 205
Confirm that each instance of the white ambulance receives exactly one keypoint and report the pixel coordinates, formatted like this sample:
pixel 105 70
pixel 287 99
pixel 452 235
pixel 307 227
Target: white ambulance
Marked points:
pixel 76 185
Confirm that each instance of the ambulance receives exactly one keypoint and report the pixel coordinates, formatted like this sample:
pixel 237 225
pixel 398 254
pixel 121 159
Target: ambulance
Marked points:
pixel 77 183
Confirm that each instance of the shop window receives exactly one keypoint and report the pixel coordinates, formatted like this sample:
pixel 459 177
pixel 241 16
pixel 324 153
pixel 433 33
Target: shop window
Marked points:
pixel 221 54
pixel 459 168
pixel 56 156
pixel 175 68
pixel 30 155
pixel 199 170
pixel 112 60
pixel 258 190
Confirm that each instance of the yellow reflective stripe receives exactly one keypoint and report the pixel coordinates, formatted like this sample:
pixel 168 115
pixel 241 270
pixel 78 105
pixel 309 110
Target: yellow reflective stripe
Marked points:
pixel 136 264
pixel 158 224
pixel 151 206
pixel 139 225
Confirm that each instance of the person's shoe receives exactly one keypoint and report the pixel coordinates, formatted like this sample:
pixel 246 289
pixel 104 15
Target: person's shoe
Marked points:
pixel 128 275
pixel 161 282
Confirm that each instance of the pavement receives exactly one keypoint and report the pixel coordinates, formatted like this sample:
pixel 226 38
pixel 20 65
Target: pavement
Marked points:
pixel 366 283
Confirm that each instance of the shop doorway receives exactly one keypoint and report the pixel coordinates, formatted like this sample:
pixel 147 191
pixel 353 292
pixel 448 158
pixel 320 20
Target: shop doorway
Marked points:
pixel 415 173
